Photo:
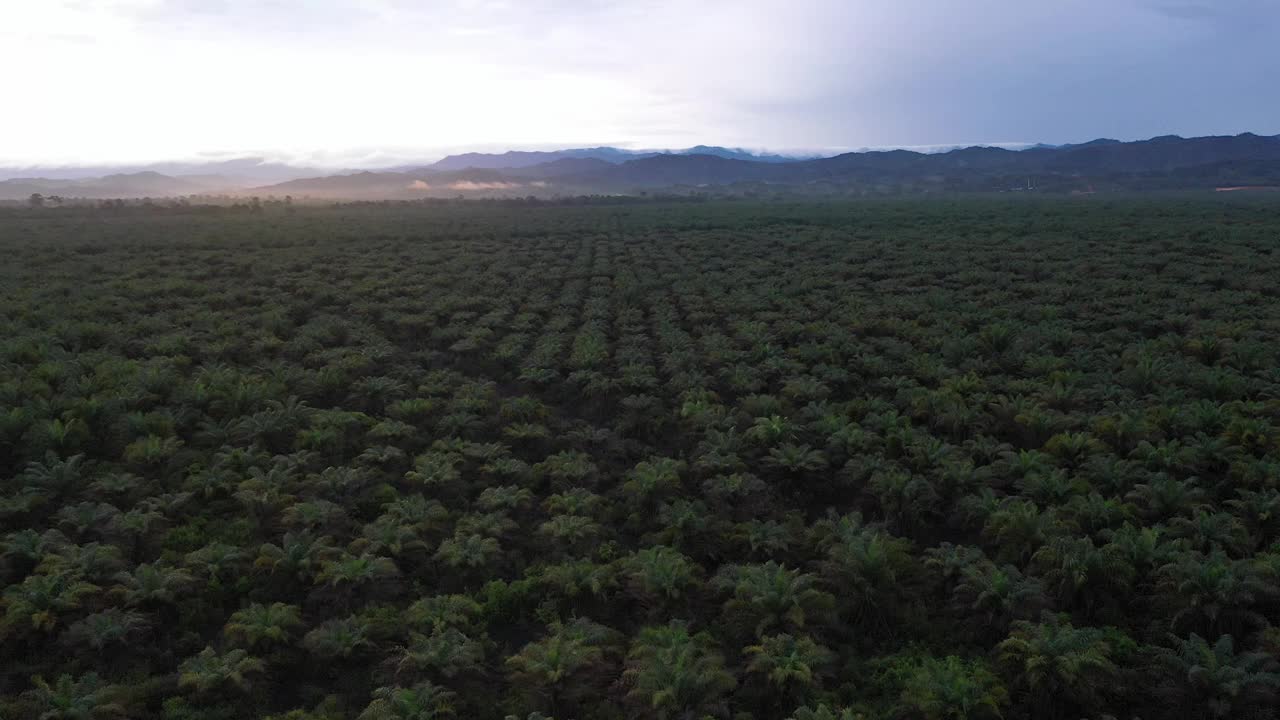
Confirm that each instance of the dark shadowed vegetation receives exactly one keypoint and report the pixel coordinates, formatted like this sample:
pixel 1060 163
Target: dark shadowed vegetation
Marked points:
pixel 920 460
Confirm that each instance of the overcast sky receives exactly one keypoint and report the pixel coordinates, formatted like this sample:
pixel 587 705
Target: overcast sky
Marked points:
pixel 364 82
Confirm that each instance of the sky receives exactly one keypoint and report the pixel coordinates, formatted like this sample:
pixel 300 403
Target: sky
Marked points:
pixel 356 83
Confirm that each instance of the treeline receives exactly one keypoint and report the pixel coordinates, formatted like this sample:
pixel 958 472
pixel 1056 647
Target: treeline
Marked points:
pixel 214 204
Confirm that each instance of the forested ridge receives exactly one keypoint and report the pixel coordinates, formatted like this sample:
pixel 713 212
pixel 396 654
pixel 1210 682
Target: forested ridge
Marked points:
pixel 1012 458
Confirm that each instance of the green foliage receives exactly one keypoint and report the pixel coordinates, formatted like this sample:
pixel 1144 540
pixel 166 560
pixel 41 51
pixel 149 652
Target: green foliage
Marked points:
pixel 604 458
pixel 673 673
pixel 1057 663
pixel 1217 678
pixel 950 688
pixel 424 701
pixel 210 670
pixel 788 662
pixel 263 625
pixel 565 665
pixel 74 698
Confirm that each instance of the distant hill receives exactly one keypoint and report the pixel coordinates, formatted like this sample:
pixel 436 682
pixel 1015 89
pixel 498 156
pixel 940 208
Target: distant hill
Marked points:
pixel 1167 162
pixel 1165 154
pixel 738 154
pixel 522 159
pixel 564 167
pixel 356 186
pixel 679 169
pixel 169 179
pixel 515 159
pixel 235 172
pixel 406 185
pixel 131 185
pixel 1159 163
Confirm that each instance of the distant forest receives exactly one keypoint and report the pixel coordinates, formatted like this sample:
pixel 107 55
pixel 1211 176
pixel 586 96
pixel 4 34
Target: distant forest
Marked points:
pixel 990 457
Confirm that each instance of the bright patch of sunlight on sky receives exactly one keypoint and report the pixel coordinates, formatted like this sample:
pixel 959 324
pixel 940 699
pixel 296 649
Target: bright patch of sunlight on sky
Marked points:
pixel 360 82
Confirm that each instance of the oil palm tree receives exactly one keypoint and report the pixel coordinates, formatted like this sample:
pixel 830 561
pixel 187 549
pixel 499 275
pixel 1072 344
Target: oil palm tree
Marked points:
pixel 1213 594
pixel 77 519
pixel 1260 511
pixel 216 562
pixel 106 629
pixel 39 602
pixel 770 430
pixel 1214 681
pixel 22 550
pixel 441 612
pixel 86 697
pixel 951 562
pixel 504 497
pixel 96 562
pixel 263 496
pixel 578 579
pixel 908 500
pixel 210 670
pixel 138 528
pixel 424 701
pixel 300 555
pixel 386 535
pixel 338 638
pixel 1071 448
pixel 1017 528
pixel 1093 513
pixel 437 470
pixel 825 712
pixel 1059 666
pixel 261 626
pixel 674 674
pixel 471 551
pixel 445 653
pixel 1081 574
pixel 54 473
pixel 1000 594
pixel 567 469
pixel 652 478
pixel 951 688
pixel 1144 549
pixel 565 665
pixel 869 571
pixel 793 665
pixel 416 511
pixel 1212 531
pixel 770 595
pixel 316 515
pixel 571 532
pixel 356 571
pixel 796 459
pixel 661 573
pixel 153 584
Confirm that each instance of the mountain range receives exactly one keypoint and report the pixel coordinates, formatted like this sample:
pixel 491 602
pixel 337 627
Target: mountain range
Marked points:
pixel 1166 162
pixel 516 159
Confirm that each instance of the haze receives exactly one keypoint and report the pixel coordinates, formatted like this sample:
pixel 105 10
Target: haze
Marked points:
pixel 368 82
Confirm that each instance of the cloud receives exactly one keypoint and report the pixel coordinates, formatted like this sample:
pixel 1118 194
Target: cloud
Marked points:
pixel 362 83
pixel 471 185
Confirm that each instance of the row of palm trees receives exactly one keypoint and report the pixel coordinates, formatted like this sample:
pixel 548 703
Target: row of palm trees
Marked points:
pixel 880 459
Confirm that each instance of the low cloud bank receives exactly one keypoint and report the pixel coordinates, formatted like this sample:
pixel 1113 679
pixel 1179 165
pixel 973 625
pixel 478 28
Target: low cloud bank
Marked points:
pixel 470 185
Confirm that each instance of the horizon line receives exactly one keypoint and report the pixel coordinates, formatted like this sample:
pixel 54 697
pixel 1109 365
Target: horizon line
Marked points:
pixel 363 159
